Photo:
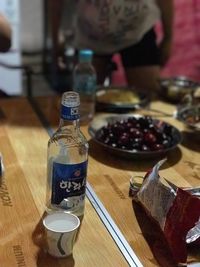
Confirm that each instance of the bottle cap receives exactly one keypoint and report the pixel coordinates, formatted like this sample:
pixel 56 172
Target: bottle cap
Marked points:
pixel 85 55
pixel 70 106
pixel 70 99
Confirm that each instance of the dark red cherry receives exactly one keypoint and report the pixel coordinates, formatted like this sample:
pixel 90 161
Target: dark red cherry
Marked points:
pixel 149 138
pixel 157 147
pixel 123 139
pixel 135 133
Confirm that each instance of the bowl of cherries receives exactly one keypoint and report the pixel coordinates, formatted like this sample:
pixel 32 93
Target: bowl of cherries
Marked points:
pixel 134 136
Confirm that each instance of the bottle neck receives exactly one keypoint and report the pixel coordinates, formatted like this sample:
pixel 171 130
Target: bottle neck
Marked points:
pixel 69 124
pixel 69 117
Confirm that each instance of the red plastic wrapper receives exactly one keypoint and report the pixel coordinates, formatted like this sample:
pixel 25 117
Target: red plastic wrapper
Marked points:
pixel 176 211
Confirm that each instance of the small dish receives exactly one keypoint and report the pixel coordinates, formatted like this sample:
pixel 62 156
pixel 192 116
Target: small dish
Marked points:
pixel 119 99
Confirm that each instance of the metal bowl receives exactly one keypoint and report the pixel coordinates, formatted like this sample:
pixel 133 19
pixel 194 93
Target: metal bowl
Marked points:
pixel 102 120
pixel 190 116
pixel 175 88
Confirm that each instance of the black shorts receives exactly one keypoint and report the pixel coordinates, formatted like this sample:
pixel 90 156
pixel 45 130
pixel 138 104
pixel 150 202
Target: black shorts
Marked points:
pixel 144 53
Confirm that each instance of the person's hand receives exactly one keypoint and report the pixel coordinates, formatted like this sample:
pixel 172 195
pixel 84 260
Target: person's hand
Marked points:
pixel 5 34
pixel 165 50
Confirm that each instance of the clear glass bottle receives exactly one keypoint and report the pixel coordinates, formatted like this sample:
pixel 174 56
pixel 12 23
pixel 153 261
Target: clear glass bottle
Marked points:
pixel 67 160
pixel 84 82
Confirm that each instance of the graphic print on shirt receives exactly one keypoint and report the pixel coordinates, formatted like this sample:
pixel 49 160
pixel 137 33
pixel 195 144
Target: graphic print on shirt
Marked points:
pixel 110 20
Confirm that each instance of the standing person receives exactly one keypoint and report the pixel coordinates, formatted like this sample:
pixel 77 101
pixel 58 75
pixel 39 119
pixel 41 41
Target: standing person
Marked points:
pixel 5 34
pixel 125 27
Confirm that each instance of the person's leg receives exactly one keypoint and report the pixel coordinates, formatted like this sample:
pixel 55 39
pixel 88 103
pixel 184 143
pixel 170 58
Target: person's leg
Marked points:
pixel 101 65
pixel 144 78
pixel 141 63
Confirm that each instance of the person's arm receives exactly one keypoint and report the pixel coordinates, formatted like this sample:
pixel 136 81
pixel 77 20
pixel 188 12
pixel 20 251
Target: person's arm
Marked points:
pixel 5 34
pixel 167 15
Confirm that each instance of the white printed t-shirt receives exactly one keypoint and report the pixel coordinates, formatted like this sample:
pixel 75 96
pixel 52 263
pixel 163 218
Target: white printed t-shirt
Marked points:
pixel 107 26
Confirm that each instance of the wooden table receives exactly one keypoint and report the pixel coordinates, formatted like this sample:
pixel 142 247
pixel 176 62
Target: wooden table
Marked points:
pixel 110 234
pixel 23 144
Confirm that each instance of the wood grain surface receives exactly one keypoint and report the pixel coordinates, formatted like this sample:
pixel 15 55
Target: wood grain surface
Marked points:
pixel 109 175
pixel 23 144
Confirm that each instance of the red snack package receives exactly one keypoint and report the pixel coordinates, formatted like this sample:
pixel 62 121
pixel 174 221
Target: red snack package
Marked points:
pixel 182 217
pixel 176 211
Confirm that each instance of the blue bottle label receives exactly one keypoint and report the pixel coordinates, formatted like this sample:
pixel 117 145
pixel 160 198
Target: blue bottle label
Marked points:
pixel 85 84
pixel 69 113
pixel 68 180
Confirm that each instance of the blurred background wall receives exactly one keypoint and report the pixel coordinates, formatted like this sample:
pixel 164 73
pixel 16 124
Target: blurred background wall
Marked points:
pixel 32 25
pixel 185 57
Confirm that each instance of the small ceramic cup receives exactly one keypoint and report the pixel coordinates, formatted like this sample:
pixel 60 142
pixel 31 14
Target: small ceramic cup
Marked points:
pixel 135 185
pixel 61 229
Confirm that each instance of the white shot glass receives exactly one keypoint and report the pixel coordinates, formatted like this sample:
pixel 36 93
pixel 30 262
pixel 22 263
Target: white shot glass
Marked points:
pixel 61 229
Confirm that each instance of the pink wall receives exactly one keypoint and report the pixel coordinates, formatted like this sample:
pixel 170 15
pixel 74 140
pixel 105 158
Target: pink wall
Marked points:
pixel 185 58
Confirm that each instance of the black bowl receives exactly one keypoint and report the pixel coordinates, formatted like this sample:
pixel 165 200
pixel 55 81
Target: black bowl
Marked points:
pixel 100 121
